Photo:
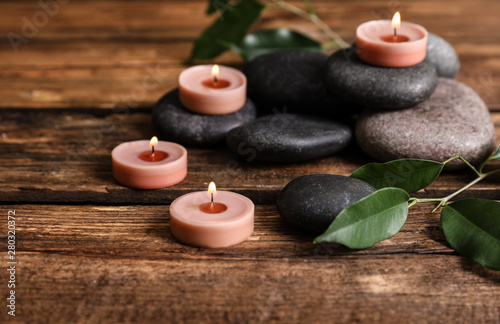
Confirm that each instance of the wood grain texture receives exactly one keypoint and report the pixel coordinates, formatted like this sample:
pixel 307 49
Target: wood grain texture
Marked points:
pixel 66 158
pixel 92 251
pixel 100 51
pixel 84 263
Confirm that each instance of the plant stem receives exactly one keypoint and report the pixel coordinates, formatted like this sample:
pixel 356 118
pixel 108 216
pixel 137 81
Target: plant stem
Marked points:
pixel 479 174
pixel 443 201
pixel 311 16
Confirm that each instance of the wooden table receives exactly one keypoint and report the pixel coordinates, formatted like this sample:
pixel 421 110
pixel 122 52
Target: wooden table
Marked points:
pixel 91 251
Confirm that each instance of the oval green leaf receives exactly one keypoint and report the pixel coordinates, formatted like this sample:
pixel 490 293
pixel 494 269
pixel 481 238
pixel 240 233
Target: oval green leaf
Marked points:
pixel 230 27
pixel 472 228
pixel 268 40
pixel 370 220
pixel 410 175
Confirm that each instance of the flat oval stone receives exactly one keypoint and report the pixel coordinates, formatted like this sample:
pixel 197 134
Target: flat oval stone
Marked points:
pixel 454 120
pixel 293 79
pixel 175 123
pixel 312 202
pixel 443 56
pixel 288 138
pixel 379 87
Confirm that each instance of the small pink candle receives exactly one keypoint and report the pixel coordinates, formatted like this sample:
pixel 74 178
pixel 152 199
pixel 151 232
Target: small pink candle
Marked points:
pixel 391 43
pixel 149 164
pixel 212 218
pixel 212 90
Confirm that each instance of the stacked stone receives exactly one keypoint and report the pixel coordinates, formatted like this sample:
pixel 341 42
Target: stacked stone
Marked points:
pixel 176 123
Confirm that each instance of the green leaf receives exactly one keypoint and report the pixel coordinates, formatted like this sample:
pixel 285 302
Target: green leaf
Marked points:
pixel 268 40
pixel 408 174
pixel 216 5
pixel 230 27
pixel 370 220
pixel 495 156
pixel 472 228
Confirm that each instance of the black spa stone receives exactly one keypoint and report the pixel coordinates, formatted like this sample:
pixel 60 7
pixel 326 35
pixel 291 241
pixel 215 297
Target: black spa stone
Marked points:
pixel 288 138
pixel 178 124
pixel 293 79
pixel 443 56
pixel 312 202
pixel 379 87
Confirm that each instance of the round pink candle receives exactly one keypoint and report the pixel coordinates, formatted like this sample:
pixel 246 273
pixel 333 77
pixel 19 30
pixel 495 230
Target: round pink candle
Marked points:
pixel 377 44
pixel 134 166
pixel 204 92
pixel 230 221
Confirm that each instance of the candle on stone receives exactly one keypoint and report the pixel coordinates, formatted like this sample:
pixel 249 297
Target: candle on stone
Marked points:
pixel 149 164
pixel 212 218
pixel 212 90
pixel 391 43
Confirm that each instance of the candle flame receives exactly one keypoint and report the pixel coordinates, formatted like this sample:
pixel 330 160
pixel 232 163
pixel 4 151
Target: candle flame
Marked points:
pixel 154 141
pixel 211 188
pixel 396 20
pixel 215 71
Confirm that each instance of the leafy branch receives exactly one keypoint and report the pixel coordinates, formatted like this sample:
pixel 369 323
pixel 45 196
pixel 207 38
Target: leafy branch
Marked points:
pixel 470 226
pixel 229 30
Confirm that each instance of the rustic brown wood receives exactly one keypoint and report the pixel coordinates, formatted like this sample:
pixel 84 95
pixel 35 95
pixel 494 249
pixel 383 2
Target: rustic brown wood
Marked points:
pixel 95 259
pixel 102 61
pixel 92 251
pixel 53 157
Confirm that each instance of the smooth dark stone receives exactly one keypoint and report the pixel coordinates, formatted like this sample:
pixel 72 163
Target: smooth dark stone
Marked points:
pixel 379 87
pixel 443 56
pixel 176 123
pixel 312 202
pixel 454 120
pixel 293 79
pixel 288 138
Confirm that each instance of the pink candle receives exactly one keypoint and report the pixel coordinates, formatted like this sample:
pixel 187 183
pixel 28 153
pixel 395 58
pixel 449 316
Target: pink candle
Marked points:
pixel 149 164
pixel 212 218
pixel 212 90
pixel 391 43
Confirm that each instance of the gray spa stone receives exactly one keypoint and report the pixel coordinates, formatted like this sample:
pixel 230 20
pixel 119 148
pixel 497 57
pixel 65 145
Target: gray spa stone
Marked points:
pixel 454 120
pixel 379 87
pixel 175 123
pixel 443 56
pixel 288 138
pixel 312 202
pixel 293 79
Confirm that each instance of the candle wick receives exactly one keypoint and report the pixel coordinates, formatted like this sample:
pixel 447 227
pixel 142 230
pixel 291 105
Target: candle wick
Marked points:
pixel 215 80
pixel 395 32
pixel 152 150
pixel 212 198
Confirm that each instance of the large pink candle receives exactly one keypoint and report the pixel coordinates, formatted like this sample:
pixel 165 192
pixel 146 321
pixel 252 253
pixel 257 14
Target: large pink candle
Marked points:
pixel 197 219
pixel 149 164
pixel 212 90
pixel 391 43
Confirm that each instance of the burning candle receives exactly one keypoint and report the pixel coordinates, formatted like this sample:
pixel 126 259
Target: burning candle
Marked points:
pixel 212 218
pixel 391 43
pixel 149 165
pixel 212 90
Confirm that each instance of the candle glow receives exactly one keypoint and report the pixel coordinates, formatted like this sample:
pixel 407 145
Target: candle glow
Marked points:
pixel 215 72
pixel 396 21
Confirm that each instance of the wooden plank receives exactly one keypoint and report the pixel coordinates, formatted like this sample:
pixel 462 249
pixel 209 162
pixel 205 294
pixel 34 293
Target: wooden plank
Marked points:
pixel 96 62
pixel 51 157
pixel 121 264
pixel 121 231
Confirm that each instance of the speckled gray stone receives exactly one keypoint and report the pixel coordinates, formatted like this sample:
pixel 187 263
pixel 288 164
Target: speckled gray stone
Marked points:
pixel 443 56
pixel 312 202
pixel 454 120
pixel 175 123
pixel 293 79
pixel 288 138
pixel 379 87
